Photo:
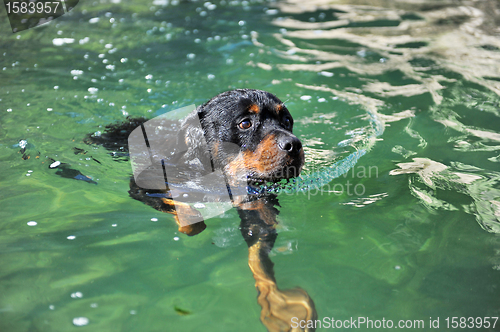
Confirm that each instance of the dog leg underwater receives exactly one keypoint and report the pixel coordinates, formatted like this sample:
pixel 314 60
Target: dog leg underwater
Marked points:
pixel 279 307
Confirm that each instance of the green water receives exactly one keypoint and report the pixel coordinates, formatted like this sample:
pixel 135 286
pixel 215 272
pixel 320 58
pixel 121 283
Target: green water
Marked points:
pixel 410 232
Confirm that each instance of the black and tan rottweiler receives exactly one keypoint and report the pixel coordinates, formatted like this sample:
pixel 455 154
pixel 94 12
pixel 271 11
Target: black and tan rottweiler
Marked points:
pixel 248 136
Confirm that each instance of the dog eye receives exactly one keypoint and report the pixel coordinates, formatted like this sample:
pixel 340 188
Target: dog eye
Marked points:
pixel 287 122
pixel 245 124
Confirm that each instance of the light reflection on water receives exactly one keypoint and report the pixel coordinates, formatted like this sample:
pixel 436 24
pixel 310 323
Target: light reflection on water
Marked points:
pixel 430 45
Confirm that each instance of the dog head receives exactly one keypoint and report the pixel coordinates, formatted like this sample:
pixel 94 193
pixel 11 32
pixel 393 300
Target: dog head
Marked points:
pixel 249 136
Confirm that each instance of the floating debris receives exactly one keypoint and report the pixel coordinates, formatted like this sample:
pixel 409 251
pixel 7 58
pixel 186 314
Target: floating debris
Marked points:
pixel 181 312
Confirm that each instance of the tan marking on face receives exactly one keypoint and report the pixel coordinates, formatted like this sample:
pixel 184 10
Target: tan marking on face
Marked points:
pixel 261 161
pixel 265 162
pixel 279 107
pixel 254 109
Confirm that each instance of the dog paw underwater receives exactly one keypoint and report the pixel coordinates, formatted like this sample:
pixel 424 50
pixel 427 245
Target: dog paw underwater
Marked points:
pixel 218 154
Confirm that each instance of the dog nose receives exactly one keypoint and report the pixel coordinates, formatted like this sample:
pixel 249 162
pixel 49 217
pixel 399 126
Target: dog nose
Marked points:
pixel 290 144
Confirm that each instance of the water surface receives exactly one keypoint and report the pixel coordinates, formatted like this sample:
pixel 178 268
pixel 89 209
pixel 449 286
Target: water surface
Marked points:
pixel 404 96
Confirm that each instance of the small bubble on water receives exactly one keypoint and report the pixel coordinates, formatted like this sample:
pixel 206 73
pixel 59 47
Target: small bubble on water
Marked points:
pixel 55 164
pixel 71 237
pixel 80 321
pixel 32 223
pixel 272 12
pixel 76 295
pixel 176 238
pixel 154 219
pixel 84 41
pixel 326 73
